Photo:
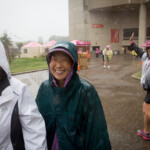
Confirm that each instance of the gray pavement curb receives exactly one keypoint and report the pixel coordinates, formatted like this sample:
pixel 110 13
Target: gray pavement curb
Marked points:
pixel 27 72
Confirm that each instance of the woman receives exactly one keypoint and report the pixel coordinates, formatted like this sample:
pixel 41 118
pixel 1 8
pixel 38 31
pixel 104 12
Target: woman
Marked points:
pixel 70 105
pixel 21 125
pixel 96 52
pixel 107 52
pixel 145 81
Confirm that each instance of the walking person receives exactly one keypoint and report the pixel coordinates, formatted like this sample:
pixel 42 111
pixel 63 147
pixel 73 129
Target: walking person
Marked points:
pixel 70 105
pixel 102 56
pixel 125 50
pixel 107 52
pixel 145 81
pixel 97 52
pixel 21 125
pixel 88 55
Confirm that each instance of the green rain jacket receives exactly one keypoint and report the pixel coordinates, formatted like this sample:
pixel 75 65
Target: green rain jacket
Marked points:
pixel 74 112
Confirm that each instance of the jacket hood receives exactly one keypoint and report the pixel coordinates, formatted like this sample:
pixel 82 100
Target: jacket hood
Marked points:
pixel 69 49
pixel 3 60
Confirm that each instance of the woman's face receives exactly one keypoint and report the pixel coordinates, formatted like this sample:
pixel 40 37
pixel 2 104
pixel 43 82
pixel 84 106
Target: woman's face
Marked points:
pixel 148 51
pixel 60 66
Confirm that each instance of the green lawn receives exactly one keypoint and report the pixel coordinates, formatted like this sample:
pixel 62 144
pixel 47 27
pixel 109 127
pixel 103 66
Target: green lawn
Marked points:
pixel 27 64
pixel 139 75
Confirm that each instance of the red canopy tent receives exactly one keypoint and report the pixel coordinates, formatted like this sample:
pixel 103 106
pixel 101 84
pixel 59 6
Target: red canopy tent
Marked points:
pixel 82 45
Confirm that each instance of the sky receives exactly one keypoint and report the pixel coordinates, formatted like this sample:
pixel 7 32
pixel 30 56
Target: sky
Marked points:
pixel 27 20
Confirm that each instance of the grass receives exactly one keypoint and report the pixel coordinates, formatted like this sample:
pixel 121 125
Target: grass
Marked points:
pixel 139 75
pixel 27 64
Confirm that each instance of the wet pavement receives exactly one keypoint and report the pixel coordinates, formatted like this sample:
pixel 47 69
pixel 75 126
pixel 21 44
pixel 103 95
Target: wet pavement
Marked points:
pixel 121 97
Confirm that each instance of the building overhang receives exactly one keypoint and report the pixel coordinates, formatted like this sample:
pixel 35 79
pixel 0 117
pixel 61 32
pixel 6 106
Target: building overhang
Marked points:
pixel 114 6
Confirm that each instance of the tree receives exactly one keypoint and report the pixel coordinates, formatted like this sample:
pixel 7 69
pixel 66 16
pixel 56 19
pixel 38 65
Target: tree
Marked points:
pixel 19 45
pixel 7 42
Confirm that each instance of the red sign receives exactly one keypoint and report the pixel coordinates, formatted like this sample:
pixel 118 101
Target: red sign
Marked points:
pixel 114 35
pixel 97 26
pixel 83 43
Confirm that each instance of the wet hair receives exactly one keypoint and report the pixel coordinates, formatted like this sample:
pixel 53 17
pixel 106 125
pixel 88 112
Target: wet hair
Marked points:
pixel 3 74
pixel 147 48
pixel 147 51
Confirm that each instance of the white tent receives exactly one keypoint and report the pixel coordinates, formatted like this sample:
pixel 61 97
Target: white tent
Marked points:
pixel 31 50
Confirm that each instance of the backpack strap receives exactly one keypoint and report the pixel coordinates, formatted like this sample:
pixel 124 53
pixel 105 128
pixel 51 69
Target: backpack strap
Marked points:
pixel 16 130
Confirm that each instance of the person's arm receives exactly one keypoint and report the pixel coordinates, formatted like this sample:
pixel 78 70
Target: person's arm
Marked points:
pixel 134 47
pixel 111 52
pixel 96 129
pixel 104 52
pixel 33 125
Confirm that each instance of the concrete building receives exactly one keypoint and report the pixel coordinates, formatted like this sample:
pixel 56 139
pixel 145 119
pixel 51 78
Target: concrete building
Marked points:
pixel 109 22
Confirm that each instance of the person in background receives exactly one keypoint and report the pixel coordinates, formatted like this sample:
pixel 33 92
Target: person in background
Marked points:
pixel 97 52
pixel 125 50
pixel 145 82
pixel 21 125
pixel 102 56
pixel 70 105
pixel 88 55
pixel 135 55
pixel 107 52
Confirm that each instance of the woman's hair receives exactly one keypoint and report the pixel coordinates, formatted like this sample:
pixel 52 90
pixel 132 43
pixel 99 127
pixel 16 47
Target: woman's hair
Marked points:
pixel 2 74
pixel 53 54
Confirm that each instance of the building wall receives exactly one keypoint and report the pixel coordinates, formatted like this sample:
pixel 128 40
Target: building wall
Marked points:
pixel 116 20
pixel 32 52
pixel 76 20
pixel 114 14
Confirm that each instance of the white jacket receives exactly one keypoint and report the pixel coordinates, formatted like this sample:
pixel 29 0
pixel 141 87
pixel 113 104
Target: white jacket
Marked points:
pixel 33 126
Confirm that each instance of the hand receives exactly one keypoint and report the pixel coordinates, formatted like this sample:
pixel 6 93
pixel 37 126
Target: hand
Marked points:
pixel 132 36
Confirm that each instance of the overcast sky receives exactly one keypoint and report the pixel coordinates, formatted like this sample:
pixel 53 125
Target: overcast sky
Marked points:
pixel 25 20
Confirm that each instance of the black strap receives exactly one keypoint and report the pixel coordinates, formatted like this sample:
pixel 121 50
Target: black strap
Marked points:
pixel 3 80
pixel 16 130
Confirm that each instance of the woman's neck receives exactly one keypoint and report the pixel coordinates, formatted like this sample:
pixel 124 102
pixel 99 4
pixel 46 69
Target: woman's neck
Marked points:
pixel 61 83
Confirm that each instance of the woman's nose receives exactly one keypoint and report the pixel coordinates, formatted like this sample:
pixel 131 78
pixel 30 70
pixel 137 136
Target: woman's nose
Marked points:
pixel 58 63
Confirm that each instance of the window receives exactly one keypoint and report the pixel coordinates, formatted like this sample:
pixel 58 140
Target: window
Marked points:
pixel 25 50
pixel 148 33
pixel 128 32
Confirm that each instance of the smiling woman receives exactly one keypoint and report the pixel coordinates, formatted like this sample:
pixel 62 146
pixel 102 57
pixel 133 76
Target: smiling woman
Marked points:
pixel 70 105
